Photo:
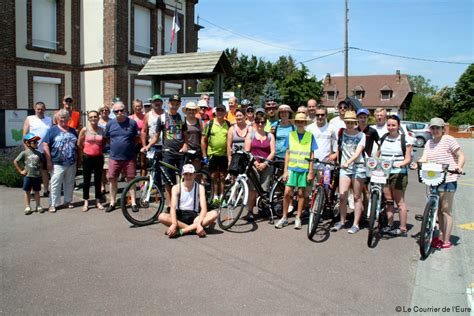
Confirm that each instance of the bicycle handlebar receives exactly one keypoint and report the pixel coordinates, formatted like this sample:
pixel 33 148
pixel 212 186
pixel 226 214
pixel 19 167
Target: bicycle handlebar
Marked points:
pixel 328 163
pixel 455 171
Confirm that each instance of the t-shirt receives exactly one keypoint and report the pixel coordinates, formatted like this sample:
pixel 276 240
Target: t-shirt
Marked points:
pixel 392 147
pixel 337 123
pixel 381 130
pixel 39 127
pixel 325 138
pixel 314 147
pixel 282 133
pixel 138 120
pixel 371 136
pixel 194 136
pixel 173 128
pixel 349 145
pixel 62 145
pixel 444 152
pixel 32 159
pixel 230 117
pixel 217 141
pixel 122 138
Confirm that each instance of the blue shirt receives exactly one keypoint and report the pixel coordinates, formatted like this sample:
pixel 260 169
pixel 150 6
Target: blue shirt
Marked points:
pixel 62 145
pixel 282 133
pixel 314 147
pixel 122 139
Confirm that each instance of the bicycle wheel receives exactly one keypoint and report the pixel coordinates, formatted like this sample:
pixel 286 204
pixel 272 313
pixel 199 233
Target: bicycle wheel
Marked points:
pixel 374 224
pixel 276 197
pixel 316 211
pixel 427 228
pixel 203 177
pixel 149 202
pixel 231 205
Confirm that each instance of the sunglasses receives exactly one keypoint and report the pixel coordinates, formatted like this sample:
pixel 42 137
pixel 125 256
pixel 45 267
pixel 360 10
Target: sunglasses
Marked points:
pixel 260 122
pixel 119 111
pixel 343 107
pixel 320 115
pixel 33 142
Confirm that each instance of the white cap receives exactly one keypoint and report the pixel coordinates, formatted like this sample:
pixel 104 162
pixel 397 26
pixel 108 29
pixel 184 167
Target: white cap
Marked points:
pixel 189 168
pixel 203 104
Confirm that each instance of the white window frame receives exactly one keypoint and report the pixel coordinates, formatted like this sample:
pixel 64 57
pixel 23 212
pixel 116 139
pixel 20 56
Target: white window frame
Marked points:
pixel 54 82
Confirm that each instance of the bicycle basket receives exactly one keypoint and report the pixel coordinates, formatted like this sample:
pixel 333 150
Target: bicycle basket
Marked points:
pixel 238 163
pixel 432 174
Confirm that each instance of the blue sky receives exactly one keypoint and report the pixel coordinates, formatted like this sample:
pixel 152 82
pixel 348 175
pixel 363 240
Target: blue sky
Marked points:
pixel 432 29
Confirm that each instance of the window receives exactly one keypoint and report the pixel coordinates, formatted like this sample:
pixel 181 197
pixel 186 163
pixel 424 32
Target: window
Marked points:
pixel 44 32
pixel 173 88
pixel 385 94
pixel 141 30
pixel 359 95
pixel 142 89
pixel 167 30
pixel 331 95
pixel 46 89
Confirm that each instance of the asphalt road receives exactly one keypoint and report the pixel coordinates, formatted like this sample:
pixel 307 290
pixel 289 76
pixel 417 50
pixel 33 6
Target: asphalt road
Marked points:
pixel 95 263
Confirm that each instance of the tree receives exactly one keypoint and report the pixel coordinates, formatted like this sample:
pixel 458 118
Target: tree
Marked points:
pixel 421 108
pixel 270 92
pixel 464 90
pixel 461 118
pixel 422 86
pixel 299 86
pixel 443 103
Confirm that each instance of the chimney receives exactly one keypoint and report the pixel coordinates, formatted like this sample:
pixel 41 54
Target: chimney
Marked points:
pixel 398 76
pixel 328 78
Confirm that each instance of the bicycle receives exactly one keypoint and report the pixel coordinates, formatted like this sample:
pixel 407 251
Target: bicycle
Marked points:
pixel 235 197
pixel 324 195
pixel 432 175
pixel 149 195
pixel 378 170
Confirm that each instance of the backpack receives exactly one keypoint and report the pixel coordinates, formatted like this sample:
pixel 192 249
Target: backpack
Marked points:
pixel 402 141
pixel 209 127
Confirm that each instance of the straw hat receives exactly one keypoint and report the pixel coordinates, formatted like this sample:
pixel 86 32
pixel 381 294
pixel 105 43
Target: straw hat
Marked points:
pixel 301 117
pixel 190 106
pixel 350 116
pixel 285 108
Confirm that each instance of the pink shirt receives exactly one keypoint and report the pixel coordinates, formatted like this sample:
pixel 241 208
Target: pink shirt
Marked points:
pixel 94 143
pixel 444 152
pixel 260 148
pixel 138 120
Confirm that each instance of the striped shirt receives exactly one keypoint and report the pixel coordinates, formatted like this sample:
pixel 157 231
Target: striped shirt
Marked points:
pixel 444 152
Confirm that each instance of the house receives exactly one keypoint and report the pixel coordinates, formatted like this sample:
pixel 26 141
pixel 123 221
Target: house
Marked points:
pixel 90 49
pixel 392 92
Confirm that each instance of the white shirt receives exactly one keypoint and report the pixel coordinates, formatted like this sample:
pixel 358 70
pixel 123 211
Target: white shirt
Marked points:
pixel 337 123
pixel 39 127
pixel 325 137
pixel 381 130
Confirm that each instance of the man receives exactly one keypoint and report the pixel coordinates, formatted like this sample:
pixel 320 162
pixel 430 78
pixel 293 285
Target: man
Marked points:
pixel 39 124
pixel 75 116
pixel 302 109
pixel 271 109
pixel 149 122
pixel 188 209
pixel 206 98
pixel 230 117
pixel 371 135
pixel 324 134
pixel 146 107
pixel 122 133
pixel 214 151
pixel 311 105
pixel 338 121
pixel 380 121
pixel 202 116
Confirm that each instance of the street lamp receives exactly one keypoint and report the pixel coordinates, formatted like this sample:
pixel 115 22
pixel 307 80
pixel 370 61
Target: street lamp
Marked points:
pixel 239 86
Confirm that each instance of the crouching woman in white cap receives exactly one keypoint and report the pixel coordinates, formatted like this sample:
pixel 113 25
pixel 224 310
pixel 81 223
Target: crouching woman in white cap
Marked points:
pixel 188 209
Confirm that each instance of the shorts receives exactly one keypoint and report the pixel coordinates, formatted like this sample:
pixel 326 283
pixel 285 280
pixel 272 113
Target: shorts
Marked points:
pixel 32 183
pixel 106 161
pixel 128 167
pixel 297 179
pixel 448 187
pixel 186 217
pixel 218 164
pixel 176 161
pixel 398 181
pixel 264 177
pixel 358 174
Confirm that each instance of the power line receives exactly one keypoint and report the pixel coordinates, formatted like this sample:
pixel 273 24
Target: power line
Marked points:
pixel 409 57
pixel 319 57
pixel 263 42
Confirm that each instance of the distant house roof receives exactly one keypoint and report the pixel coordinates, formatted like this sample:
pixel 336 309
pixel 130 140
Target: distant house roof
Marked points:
pixel 372 85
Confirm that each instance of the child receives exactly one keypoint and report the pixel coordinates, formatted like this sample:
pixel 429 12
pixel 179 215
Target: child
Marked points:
pixel 298 171
pixel 32 160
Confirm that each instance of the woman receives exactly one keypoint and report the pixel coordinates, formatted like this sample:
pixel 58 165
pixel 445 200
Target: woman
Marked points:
pixel 444 149
pixel 60 150
pixel 104 112
pixel 237 133
pixel 281 129
pixel 91 142
pixel 260 143
pixel 249 116
pixel 139 117
pixel 391 148
pixel 194 132
pixel 352 172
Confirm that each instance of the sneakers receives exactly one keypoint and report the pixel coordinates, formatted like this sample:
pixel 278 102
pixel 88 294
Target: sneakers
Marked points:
pixel 297 223
pixel 28 210
pixel 338 226
pixel 39 209
pixel 52 209
pixel 397 233
pixel 386 230
pixel 281 223
pixel 110 208
pixel 249 217
pixel 354 229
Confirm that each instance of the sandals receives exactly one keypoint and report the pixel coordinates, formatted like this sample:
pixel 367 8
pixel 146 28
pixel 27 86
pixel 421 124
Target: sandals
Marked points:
pixel 85 208
pixel 99 206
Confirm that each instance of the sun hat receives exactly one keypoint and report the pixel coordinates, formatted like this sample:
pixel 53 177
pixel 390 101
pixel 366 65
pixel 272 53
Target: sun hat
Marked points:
pixel 350 116
pixel 189 168
pixel 190 106
pixel 203 104
pixel 436 121
pixel 285 108
pixel 301 117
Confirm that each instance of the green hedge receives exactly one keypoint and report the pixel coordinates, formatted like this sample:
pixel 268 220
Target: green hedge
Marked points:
pixel 8 174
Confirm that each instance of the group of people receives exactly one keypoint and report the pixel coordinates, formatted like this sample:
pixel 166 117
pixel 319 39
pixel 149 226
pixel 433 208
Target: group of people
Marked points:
pixel 110 147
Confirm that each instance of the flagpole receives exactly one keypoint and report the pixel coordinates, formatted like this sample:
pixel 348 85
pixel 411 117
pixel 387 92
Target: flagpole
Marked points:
pixel 346 49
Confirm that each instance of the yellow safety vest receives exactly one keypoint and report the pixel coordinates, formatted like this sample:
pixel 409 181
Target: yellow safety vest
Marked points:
pixel 299 150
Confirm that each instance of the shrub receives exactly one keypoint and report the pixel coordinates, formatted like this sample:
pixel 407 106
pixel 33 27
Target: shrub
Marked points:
pixel 8 174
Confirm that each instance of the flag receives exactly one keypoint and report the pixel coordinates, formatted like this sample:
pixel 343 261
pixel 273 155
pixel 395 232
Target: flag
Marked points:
pixel 174 28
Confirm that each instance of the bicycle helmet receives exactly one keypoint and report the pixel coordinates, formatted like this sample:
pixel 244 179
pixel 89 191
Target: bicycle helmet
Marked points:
pixel 30 137
pixel 246 102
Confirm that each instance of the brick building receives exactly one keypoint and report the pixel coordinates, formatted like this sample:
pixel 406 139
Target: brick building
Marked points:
pixel 91 49
pixel 392 92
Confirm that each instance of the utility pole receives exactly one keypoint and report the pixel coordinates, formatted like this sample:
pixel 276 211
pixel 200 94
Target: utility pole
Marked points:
pixel 346 50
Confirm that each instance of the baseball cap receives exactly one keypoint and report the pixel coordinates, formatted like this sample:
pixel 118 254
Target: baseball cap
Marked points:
pixel 436 121
pixel 175 97
pixel 362 111
pixel 260 110
pixel 156 97
pixel 203 104
pixel 189 168
pixel 116 99
pixel 68 97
